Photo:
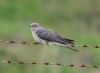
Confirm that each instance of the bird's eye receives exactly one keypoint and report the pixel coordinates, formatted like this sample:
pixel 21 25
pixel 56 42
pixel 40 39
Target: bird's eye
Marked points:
pixel 34 25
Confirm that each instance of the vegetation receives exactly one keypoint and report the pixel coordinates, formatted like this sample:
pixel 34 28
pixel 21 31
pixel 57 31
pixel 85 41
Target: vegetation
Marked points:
pixel 75 19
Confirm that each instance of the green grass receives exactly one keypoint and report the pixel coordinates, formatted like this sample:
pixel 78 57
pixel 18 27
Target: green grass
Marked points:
pixel 78 20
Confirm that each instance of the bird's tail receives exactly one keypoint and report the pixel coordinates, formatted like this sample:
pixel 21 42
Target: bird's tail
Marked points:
pixel 70 44
pixel 69 41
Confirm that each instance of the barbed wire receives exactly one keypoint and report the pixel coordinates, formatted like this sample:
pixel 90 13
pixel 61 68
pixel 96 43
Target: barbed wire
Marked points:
pixel 49 64
pixel 26 42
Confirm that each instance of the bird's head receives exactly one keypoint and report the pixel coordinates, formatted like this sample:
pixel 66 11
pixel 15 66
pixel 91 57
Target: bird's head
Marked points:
pixel 35 26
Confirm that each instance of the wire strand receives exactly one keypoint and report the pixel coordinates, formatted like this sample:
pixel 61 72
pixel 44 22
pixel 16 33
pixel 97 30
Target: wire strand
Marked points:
pixel 48 63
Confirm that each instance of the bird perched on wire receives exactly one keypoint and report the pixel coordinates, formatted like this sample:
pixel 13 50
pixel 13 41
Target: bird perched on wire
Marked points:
pixel 44 36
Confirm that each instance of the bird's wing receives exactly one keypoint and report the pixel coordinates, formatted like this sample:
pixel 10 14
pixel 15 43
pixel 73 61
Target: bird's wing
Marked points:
pixel 53 37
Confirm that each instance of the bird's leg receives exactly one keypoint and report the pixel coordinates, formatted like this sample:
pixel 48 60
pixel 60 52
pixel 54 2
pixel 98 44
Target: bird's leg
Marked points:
pixel 37 43
pixel 47 43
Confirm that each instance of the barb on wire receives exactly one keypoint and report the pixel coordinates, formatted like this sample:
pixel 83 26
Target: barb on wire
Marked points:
pixel 50 64
pixel 19 42
pixel 26 42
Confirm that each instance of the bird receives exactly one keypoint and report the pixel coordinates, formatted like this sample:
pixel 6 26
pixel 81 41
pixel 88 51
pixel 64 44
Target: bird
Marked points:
pixel 45 36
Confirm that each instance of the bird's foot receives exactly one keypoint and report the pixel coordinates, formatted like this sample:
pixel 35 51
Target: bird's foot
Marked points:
pixel 37 43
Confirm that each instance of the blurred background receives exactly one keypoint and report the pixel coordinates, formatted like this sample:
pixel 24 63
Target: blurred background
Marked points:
pixel 75 19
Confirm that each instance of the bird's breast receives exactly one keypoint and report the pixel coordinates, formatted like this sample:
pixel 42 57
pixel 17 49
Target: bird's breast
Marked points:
pixel 37 39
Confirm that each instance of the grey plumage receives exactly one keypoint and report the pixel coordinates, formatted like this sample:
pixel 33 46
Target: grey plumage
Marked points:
pixel 42 35
pixel 53 37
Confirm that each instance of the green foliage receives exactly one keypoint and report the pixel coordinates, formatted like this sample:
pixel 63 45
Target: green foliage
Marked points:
pixel 74 19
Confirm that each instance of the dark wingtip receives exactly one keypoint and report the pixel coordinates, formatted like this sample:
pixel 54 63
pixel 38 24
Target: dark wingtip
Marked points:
pixel 70 41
